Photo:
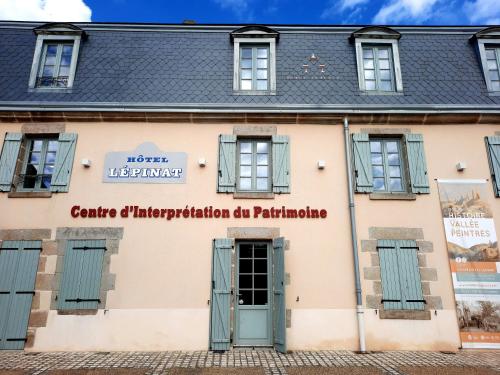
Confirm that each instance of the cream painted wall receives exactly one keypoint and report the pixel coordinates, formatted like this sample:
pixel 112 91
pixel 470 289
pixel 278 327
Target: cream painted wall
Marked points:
pixel 163 267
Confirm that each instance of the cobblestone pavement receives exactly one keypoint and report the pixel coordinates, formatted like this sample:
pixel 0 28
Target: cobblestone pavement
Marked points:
pixel 272 362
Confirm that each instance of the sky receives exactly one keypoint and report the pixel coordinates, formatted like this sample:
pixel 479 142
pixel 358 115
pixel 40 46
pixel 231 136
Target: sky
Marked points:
pixel 351 12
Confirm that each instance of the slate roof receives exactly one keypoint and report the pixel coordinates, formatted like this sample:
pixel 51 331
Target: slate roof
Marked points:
pixel 169 66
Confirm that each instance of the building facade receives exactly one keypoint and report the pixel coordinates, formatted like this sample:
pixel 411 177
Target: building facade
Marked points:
pixel 190 187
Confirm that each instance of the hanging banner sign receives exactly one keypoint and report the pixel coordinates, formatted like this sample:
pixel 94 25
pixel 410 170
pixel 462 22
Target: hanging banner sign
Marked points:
pixel 474 260
pixel 147 164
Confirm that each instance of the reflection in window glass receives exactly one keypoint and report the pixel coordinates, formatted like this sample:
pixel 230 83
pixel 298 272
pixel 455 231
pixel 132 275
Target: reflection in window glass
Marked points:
pixel 493 63
pixel 386 165
pixel 254 168
pixel 39 164
pixel 377 68
pixel 55 65
pixel 254 68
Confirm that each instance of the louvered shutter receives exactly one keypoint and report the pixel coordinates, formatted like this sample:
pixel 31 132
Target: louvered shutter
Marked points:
pixel 8 159
pixel 64 163
pixel 362 163
pixel 221 294
pixel 417 166
pixel 493 148
pixel 279 305
pixel 81 279
pixel 281 164
pixel 389 273
pixel 226 180
pixel 411 286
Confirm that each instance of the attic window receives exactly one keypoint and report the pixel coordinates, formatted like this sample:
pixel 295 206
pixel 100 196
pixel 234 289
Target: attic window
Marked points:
pixel 377 56
pixel 55 58
pixel 254 60
pixel 488 45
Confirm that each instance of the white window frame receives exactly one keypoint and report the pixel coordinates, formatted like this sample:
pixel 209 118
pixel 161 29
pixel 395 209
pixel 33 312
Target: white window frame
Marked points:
pixel 482 45
pixel 271 43
pixel 393 43
pixel 35 66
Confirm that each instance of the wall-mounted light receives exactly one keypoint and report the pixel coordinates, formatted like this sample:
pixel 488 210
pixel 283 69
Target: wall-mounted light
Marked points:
pixel 321 164
pixel 461 166
pixel 202 162
pixel 86 163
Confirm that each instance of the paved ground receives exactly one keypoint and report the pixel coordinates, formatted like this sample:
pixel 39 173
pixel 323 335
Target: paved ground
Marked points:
pixel 243 362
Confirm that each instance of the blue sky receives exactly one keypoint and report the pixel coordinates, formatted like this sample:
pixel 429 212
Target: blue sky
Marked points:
pixel 391 12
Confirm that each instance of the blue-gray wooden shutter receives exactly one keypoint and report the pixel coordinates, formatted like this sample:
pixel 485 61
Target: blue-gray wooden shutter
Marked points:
pixel 281 164
pixel 401 283
pixel 18 267
pixel 221 294
pixel 493 148
pixel 417 167
pixel 8 159
pixel 81 279
pixel 64 163
pixel 226 179
pixel 363 179
pixel 279 304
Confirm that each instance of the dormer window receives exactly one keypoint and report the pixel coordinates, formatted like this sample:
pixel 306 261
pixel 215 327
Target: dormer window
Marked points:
pixel 254 60
pixel 377 56
pixel 488 44
pixel 56 54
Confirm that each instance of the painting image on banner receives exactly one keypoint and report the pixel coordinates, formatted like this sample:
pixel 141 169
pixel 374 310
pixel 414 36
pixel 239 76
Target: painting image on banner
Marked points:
pixel 474 260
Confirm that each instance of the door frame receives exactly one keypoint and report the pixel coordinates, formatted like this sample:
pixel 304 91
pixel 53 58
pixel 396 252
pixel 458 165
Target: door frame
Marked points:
pixel 270 294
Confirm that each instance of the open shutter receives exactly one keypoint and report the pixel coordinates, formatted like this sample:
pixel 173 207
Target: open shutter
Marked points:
pixel 362 163
pixel 279 306
pixel 221 294
pixel 8 260
pixel 281 164
pixel 409 275
pixel 8 159
pixel 226 181
pixel 81 281
pixel 391 287
pixel 493 148
pixel 64 163
pixel 417 166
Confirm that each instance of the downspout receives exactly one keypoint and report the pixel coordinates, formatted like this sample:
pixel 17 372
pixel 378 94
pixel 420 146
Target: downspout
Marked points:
pixel 354 239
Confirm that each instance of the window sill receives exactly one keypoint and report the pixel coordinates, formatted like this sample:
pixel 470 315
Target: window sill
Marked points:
pixel 30 194
pixel 77 312
pixel 253 92
pixel 51 89
pixel 253 195
pixel 393 196
pixel 405 314
pixel 368 93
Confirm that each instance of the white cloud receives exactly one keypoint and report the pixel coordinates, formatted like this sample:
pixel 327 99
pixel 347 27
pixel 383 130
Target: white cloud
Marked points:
pixel 408 10
pixel 339 6
pixel 483 12
pixel 238 7
pixel 45 10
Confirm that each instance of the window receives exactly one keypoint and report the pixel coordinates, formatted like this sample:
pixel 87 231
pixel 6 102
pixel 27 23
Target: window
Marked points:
pixel 55 58
pixel 493 150
pixel 387 165
pixel 254 60
pixel 39 163
pixel 55 65
pixel 81 277
pixel 254 68
pixel 377 56
pixel 378 68
pixel 488 47
pixel 392 165
pixel 254 166
pixel 400 274
pixel 493 64
pixel 34 164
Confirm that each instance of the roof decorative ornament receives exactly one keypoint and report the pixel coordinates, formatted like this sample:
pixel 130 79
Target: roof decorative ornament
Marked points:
pixel 254 31
pixel 376 32
pixel 492 32
pixel 59 28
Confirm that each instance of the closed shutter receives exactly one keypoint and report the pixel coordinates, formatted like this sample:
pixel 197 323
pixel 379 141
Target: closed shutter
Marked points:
pixel 81 279
pixel 18 267
pixel 226 180
pixel 362 163
pixel 64 163
pixel 417 167
pixel 279 305
pixel 493 148
pixel 281 164
pixel 401 283
pixel 221 294
pixel 8 159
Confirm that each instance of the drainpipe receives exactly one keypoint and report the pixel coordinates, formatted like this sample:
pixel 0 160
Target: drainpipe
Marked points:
pixel 354 239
